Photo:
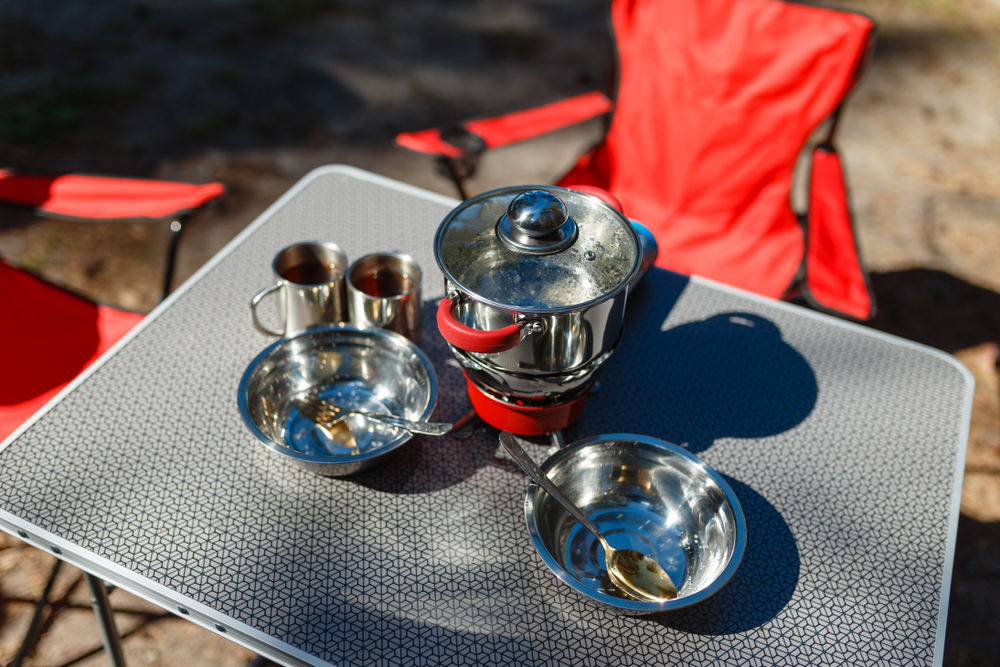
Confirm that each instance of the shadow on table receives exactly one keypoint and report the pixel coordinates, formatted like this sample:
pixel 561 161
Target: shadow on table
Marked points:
pixel 427 464
pixel 448 625
pixel 763 584
pixel 729 375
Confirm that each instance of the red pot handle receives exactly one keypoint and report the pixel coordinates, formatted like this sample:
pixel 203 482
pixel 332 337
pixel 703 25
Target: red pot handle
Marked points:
pixel 601 194
pixel 474 340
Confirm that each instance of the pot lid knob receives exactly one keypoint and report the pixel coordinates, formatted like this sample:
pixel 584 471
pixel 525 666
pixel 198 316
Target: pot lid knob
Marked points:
pixel 537 213
pixel 537 223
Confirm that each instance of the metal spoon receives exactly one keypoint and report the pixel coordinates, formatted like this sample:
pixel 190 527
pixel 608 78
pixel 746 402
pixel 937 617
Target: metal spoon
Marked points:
pixel 635 573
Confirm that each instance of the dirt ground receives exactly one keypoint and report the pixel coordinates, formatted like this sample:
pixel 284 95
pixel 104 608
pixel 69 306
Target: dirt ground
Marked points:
pixel 255 93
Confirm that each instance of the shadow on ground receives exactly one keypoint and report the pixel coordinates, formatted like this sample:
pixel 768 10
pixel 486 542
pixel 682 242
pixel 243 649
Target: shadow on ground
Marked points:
pixel 974 637
pixel 935 308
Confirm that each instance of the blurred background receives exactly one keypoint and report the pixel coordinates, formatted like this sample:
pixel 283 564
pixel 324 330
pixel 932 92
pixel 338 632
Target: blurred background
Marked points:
pixel 255 93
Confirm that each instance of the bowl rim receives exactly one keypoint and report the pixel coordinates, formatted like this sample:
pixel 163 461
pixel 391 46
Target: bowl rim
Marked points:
pixel 288 452
pixel 638 606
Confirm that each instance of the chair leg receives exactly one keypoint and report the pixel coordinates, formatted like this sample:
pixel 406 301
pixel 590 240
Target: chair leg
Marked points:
pixel 464 166
pixel 105 620
pixel 176 227
pixel 454 171
pixel 36 620
pixel 261 661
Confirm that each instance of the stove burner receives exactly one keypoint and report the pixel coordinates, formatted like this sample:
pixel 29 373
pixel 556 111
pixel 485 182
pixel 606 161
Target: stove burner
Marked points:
pixel 524 419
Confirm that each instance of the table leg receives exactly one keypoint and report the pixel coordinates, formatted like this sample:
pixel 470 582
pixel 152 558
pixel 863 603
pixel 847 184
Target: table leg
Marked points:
pixel 28 645
pixel 105 620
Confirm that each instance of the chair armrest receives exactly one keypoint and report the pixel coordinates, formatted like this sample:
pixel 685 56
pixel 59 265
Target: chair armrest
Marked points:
pixel 510 128
pixel 104 197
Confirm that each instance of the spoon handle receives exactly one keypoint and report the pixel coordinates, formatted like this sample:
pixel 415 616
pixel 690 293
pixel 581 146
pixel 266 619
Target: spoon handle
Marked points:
pixel 522 459
pixel 423 428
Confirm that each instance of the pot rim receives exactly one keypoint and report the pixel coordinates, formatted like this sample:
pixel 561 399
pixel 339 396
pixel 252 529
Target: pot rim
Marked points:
pixel 555 189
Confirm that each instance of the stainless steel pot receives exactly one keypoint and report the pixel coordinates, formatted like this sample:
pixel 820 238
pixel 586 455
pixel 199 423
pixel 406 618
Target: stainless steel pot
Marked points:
pixel 536 281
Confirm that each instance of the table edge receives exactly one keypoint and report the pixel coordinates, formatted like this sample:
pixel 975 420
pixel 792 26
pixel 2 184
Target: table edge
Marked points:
pixel 255 640
pixel 958 474
pixel 200 614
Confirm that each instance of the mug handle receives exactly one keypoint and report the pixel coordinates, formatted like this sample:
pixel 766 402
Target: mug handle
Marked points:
pixel 474 340
pixel 253 308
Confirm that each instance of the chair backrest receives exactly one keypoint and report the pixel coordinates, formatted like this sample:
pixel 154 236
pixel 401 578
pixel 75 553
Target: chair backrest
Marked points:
pixel 715 101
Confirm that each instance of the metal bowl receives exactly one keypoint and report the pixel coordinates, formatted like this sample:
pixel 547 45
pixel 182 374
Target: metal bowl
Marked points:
pixel 643 494
pixel 372 370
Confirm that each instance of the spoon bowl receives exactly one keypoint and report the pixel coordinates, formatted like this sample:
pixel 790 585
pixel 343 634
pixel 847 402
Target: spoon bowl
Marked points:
pixel 639 575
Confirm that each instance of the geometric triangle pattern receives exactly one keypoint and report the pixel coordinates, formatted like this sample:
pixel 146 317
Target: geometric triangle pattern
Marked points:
pixel 841 444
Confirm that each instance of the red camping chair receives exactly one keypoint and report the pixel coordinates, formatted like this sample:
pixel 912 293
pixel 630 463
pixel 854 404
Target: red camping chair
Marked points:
pixel 715 101
pixel 52 335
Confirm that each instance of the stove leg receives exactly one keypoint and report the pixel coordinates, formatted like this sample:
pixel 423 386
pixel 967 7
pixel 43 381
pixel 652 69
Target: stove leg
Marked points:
pixel 557 439
pixel 465 426
pixel 105 620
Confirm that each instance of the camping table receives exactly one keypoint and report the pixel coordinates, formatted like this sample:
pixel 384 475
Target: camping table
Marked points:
pixel 845 447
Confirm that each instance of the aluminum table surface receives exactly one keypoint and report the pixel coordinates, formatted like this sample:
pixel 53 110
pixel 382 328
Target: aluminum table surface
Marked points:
pixel 844 446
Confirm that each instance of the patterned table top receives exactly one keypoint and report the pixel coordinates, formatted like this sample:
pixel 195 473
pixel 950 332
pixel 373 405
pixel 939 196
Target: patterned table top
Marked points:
pixel 844 446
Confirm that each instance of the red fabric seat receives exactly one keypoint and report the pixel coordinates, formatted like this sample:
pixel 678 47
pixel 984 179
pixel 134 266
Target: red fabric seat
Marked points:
pixel 49 337
pixel 715 101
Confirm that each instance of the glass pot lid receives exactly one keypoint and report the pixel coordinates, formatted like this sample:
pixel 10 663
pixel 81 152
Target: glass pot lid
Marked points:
pixel 537 248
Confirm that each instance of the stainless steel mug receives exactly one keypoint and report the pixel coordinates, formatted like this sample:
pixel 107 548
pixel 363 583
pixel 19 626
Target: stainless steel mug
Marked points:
pixel 310 285
pixel 384 292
